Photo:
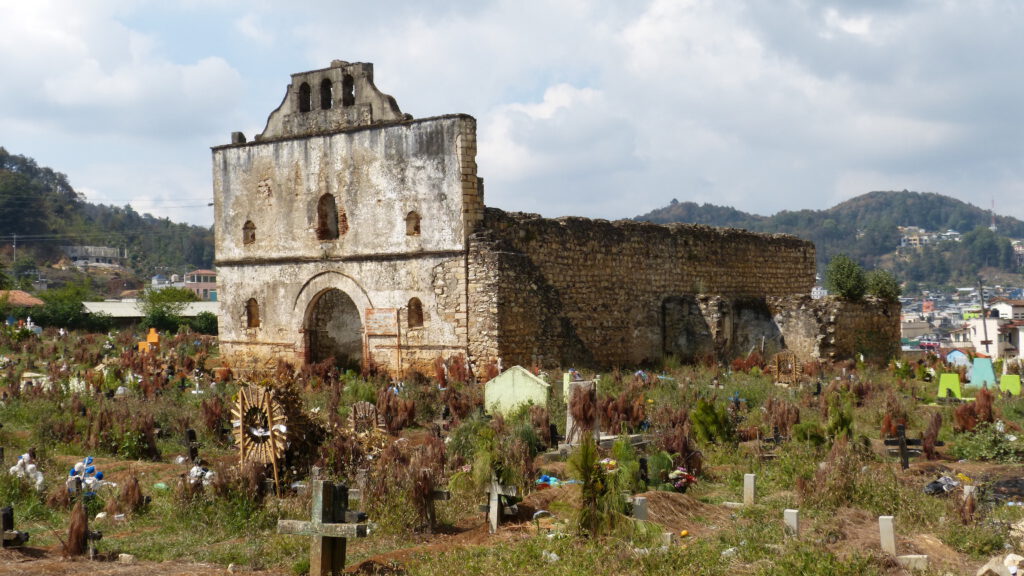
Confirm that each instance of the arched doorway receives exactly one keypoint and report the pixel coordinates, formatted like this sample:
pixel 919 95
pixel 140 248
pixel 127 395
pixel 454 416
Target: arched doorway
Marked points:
pixel 334 330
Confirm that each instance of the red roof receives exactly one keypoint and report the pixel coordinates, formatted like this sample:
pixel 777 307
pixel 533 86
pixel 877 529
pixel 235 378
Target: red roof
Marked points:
pixel 20 298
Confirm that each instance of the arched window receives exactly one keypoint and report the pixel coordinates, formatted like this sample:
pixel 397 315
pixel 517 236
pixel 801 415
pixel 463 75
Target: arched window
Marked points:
pixel 348 91
pixel 415 313
pixel 252 314
pixel 248 232
pixel 412 224
pixel 326 218
pixel 305 98
pixel 326 96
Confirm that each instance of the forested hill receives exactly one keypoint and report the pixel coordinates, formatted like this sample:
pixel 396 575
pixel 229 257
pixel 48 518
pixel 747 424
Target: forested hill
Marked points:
pixel 865 228
pixel 40 207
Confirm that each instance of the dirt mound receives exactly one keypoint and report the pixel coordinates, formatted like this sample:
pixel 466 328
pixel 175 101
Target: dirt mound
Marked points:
pixel 678 512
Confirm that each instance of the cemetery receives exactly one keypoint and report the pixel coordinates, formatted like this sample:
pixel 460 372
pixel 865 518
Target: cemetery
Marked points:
pixel 146 453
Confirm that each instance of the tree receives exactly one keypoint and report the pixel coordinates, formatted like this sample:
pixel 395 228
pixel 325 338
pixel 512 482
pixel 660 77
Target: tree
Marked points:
pixel 882 284
pixel 845 278
pixel 161 309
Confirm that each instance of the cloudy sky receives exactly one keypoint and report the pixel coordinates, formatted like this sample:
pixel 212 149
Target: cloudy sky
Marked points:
pixel 585 107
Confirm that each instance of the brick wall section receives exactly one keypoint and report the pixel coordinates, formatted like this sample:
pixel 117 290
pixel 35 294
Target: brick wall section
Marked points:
pixel 574 289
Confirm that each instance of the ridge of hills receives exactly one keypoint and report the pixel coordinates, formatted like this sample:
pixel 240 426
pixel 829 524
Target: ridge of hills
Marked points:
pixel 866 228
pixel 40 208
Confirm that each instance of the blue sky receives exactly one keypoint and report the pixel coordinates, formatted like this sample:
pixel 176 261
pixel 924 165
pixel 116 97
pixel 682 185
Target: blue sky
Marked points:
pixel 585 107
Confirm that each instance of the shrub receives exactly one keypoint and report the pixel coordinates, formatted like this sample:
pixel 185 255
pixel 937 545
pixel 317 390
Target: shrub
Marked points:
pixel 882 284
pixel 987 442
pixel 845 278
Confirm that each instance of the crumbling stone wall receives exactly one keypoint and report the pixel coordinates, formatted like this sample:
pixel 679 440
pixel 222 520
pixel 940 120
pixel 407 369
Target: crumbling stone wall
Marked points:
pixel 592 291
pixel 835 329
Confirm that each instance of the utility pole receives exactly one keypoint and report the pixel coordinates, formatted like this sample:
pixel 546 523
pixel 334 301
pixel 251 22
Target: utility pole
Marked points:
pixel 984 317
pixel 14 243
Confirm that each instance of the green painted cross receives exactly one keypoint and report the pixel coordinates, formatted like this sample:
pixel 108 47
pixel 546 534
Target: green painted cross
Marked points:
pixel 331 524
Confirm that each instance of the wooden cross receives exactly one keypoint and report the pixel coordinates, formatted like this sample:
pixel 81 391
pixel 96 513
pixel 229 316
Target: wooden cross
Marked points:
pixel 903 443
pixel 494 506
pixel 331 524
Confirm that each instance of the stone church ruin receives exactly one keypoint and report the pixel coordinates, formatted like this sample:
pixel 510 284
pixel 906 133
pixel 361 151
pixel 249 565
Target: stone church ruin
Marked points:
pixel 348 230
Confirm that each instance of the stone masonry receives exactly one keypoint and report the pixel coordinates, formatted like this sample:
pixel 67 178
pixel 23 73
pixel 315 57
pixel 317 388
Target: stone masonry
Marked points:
pixel 349 232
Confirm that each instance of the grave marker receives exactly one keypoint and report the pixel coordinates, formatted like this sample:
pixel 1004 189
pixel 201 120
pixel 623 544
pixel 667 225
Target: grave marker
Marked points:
pixel 949 387
pixel 193 445
pixel 495 509
pixel 792 520
pixel 748 489
pixel 640 508
pixel 1010 383
pixel 887 533
pixel 11 537
pixel 364 417
pixel 331 524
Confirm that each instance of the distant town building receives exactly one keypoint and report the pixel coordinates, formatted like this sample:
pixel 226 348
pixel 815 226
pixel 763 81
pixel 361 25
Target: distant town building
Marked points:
pixel 101 256
pixel 203 283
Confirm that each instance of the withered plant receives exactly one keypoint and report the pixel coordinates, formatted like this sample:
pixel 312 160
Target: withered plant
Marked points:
pixel 931 436
pixel 129 499
pixel 583 407
pixel 782 415
pixel 398 412
pixel 623 413
pixel 541 423
pixel 77 528
pixel 215 416
pixel 674 435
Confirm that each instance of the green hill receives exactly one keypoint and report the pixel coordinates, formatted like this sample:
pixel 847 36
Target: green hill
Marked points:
pixel 41 211
pixel 866 229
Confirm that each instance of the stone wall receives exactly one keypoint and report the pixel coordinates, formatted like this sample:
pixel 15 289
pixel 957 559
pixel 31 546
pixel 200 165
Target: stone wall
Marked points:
pixel 835 329
pixel 592 291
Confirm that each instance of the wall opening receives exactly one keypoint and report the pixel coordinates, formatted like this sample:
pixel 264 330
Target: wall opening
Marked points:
pixel 326 218
pixel 248 232
pixel 326 94
pixel 305 98
pixel 412 224
pixel 348 91
pixel 750 326
pixel 685 332
pixel 252 313
pixel 415 313
pixel 334 330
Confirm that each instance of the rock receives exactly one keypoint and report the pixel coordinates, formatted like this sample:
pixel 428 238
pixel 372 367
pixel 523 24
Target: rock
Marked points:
pixel 126 558
pixel 994 568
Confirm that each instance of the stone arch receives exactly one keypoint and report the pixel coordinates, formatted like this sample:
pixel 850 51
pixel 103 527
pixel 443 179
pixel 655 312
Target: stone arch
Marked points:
pixel 415 313
pixel 305 304
pixel 327 218
pixel 348 91
pixel 684 330
pixel 252 313
pixel 412 224
pixel 248 232
pixel 326 94
pixel 305 98
pixel 334 330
